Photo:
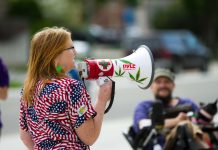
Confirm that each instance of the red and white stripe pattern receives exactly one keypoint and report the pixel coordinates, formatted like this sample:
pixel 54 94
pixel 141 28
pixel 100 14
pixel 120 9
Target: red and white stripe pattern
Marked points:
pixel 58 108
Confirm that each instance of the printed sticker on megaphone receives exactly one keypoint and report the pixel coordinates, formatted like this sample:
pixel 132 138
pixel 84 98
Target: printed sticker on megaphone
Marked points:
pixel 104 64
pixel 129 66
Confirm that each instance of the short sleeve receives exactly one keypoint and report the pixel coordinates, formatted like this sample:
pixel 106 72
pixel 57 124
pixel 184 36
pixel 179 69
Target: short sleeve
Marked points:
pixel 80 106
pixel 141 112
pixel 22 119
pixel 195 107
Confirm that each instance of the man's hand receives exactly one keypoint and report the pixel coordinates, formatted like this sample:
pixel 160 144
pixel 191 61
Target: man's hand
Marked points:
pixel 181 117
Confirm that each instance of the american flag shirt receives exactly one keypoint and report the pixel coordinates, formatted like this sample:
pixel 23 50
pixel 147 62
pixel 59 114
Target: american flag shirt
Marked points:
pixel 58 109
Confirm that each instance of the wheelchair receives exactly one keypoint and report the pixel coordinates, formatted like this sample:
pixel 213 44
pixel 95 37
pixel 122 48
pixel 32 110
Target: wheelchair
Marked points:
pixel 184 139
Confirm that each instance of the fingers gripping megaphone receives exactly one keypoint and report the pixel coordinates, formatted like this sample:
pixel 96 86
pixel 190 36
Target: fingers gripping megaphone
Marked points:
pixel 137 67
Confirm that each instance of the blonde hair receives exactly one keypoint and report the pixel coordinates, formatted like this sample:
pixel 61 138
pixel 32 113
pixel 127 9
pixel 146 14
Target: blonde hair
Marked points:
pixel 46 45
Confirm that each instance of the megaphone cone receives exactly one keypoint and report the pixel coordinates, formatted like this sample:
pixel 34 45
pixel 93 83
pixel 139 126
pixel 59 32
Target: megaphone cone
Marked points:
pixel 137 67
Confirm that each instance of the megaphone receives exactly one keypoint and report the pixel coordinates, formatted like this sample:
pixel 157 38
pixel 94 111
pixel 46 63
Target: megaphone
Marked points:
pixel 137 67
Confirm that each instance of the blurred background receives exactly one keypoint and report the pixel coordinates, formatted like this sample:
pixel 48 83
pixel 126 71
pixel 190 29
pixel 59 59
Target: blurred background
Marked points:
pixel 181 34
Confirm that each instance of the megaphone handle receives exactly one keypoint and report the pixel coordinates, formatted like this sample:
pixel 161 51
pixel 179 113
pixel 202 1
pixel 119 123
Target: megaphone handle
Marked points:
pixel 112 97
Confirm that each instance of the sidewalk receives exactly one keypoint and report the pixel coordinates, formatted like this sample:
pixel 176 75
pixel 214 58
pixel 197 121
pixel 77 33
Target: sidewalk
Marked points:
pixel 110 138
pixel 11 142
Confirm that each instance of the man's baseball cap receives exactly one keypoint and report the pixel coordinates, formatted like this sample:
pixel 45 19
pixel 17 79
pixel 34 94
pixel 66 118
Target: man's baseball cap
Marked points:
pixel 163 72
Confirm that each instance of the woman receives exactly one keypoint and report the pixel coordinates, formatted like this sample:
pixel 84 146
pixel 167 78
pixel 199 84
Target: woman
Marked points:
pixel 56 111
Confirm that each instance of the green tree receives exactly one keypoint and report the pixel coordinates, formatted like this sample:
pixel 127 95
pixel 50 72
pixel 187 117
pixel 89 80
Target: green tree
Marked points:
pixel 75 14
pixel 30 11
pixel 133 3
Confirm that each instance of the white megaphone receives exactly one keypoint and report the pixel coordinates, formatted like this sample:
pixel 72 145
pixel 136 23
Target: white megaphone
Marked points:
pixel 137 67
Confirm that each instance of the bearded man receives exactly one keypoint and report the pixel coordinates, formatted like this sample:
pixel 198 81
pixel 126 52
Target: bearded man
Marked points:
pixel 162 88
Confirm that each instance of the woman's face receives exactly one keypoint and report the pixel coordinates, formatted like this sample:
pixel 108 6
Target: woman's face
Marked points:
pixel 66 58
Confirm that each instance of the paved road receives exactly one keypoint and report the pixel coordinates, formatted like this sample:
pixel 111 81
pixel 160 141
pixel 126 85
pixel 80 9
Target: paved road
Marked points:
pixel 192 84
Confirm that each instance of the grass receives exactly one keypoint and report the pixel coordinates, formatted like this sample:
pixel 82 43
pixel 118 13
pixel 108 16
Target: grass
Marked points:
pixel 18 68
pixel 15 84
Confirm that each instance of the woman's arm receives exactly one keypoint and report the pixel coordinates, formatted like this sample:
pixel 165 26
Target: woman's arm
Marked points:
pixel 27 140
pixel 89 131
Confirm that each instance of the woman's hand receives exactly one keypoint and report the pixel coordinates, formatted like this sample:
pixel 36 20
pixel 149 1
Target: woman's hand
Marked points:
pixel 104 93
pixel 181 117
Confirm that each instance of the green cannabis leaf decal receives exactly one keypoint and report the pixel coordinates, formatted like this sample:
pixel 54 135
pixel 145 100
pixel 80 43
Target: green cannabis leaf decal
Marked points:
pixel 138 74
pixel 122 73
pixel 116 73
pixel 143 79
pixel 119 70
pixel 131 76
pixel 125 61
pixel 137 78
pixel 119 73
